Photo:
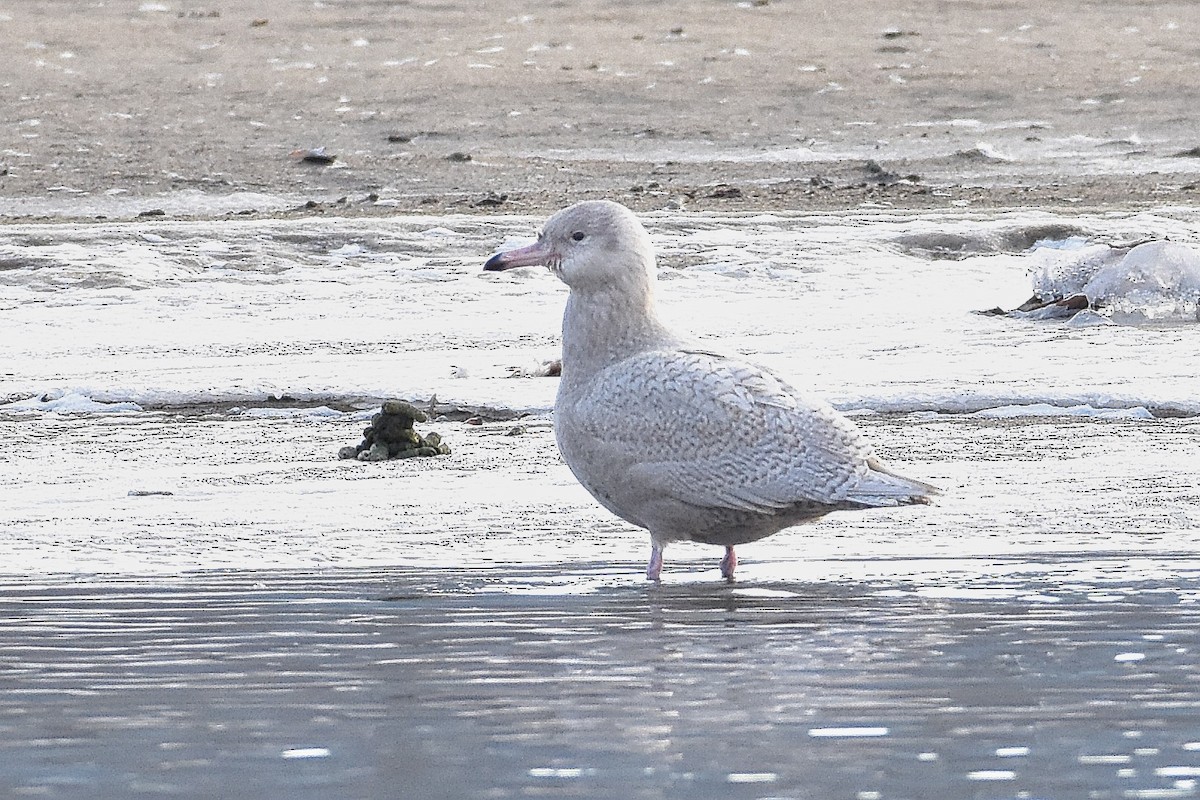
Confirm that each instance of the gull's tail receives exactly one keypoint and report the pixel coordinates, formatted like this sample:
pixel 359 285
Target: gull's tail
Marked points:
pixel 882 487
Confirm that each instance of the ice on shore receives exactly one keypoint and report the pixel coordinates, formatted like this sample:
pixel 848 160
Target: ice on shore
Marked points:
pixel 870 310
pixel 1156 281
pixel 69 403
pixel 1051 410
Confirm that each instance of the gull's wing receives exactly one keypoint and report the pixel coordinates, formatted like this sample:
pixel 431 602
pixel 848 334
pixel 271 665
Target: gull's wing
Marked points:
pixel 720 432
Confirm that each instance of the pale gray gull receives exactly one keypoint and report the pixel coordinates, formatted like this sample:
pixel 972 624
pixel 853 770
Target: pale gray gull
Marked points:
pixel 670 436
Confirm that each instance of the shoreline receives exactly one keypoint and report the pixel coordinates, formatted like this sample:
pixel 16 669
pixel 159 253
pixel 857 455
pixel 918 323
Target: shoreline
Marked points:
pixel 705 106
pixel 817 195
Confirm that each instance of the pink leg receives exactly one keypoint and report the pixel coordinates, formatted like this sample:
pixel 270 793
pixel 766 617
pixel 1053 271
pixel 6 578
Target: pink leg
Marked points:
pixel 728 564
pixel 654 568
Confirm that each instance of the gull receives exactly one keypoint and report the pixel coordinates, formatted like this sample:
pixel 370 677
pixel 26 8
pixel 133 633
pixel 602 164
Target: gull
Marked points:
pixel 670 436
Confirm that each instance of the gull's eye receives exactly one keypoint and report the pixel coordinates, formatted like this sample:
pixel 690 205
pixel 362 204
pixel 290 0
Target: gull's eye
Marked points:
pixel 577 236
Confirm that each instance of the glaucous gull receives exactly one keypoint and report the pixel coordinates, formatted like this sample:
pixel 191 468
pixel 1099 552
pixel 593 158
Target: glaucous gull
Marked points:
pixel 670 436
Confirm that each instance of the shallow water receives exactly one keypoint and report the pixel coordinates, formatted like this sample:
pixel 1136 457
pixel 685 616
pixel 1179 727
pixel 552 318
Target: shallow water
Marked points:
pixel 477 683
pixel 200 600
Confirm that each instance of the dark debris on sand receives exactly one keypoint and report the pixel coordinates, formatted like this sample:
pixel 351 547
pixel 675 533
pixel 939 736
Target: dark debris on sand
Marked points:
pixel 391 435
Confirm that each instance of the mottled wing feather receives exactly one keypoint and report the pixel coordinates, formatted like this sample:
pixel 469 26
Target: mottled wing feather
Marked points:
pixel 719 432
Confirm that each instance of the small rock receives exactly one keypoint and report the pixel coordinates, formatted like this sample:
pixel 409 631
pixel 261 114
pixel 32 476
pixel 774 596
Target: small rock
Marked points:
pixel 391 435
pixel 724 191
pixel 404 408
pixel 405 437
pixel 314 155
pixel 1076 302
pixel 491 200
pixel 459 157
pixel 880 175
pixel 378 452
pixel 546 369
pixel 396 428
pixel 516 430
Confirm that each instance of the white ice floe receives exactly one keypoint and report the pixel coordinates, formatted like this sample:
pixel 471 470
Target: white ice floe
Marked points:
pixel 1048 410
pixel 236 310
pixel 1157 281
pixel 70 403
pixel 1154 281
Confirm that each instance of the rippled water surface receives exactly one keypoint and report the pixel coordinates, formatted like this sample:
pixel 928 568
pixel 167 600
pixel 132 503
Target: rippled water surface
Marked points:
pixel 200 600
pixel 485 683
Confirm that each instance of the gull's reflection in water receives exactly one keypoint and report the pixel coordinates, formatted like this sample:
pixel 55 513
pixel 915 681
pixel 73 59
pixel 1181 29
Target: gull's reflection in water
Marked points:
pixel 590 682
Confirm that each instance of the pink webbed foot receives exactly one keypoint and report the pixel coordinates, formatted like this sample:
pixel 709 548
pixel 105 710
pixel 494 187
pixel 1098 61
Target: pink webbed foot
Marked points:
pixel 728 564
pixel 654 568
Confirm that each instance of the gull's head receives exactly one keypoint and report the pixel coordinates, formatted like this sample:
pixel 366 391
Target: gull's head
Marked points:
pixel 597 244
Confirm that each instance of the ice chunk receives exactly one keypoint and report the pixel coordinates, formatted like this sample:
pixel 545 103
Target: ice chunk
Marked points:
pixel 1063 272
pixel 1050 410
pixel 1154 281
pixel 70 403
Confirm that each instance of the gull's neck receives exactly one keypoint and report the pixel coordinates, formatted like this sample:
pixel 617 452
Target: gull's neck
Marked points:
pixel 602 326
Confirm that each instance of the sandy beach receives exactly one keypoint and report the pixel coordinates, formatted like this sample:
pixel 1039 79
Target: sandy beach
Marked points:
pixel 433 107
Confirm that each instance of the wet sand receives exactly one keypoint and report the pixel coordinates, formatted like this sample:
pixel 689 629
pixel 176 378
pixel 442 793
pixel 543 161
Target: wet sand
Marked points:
pixel 725 105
